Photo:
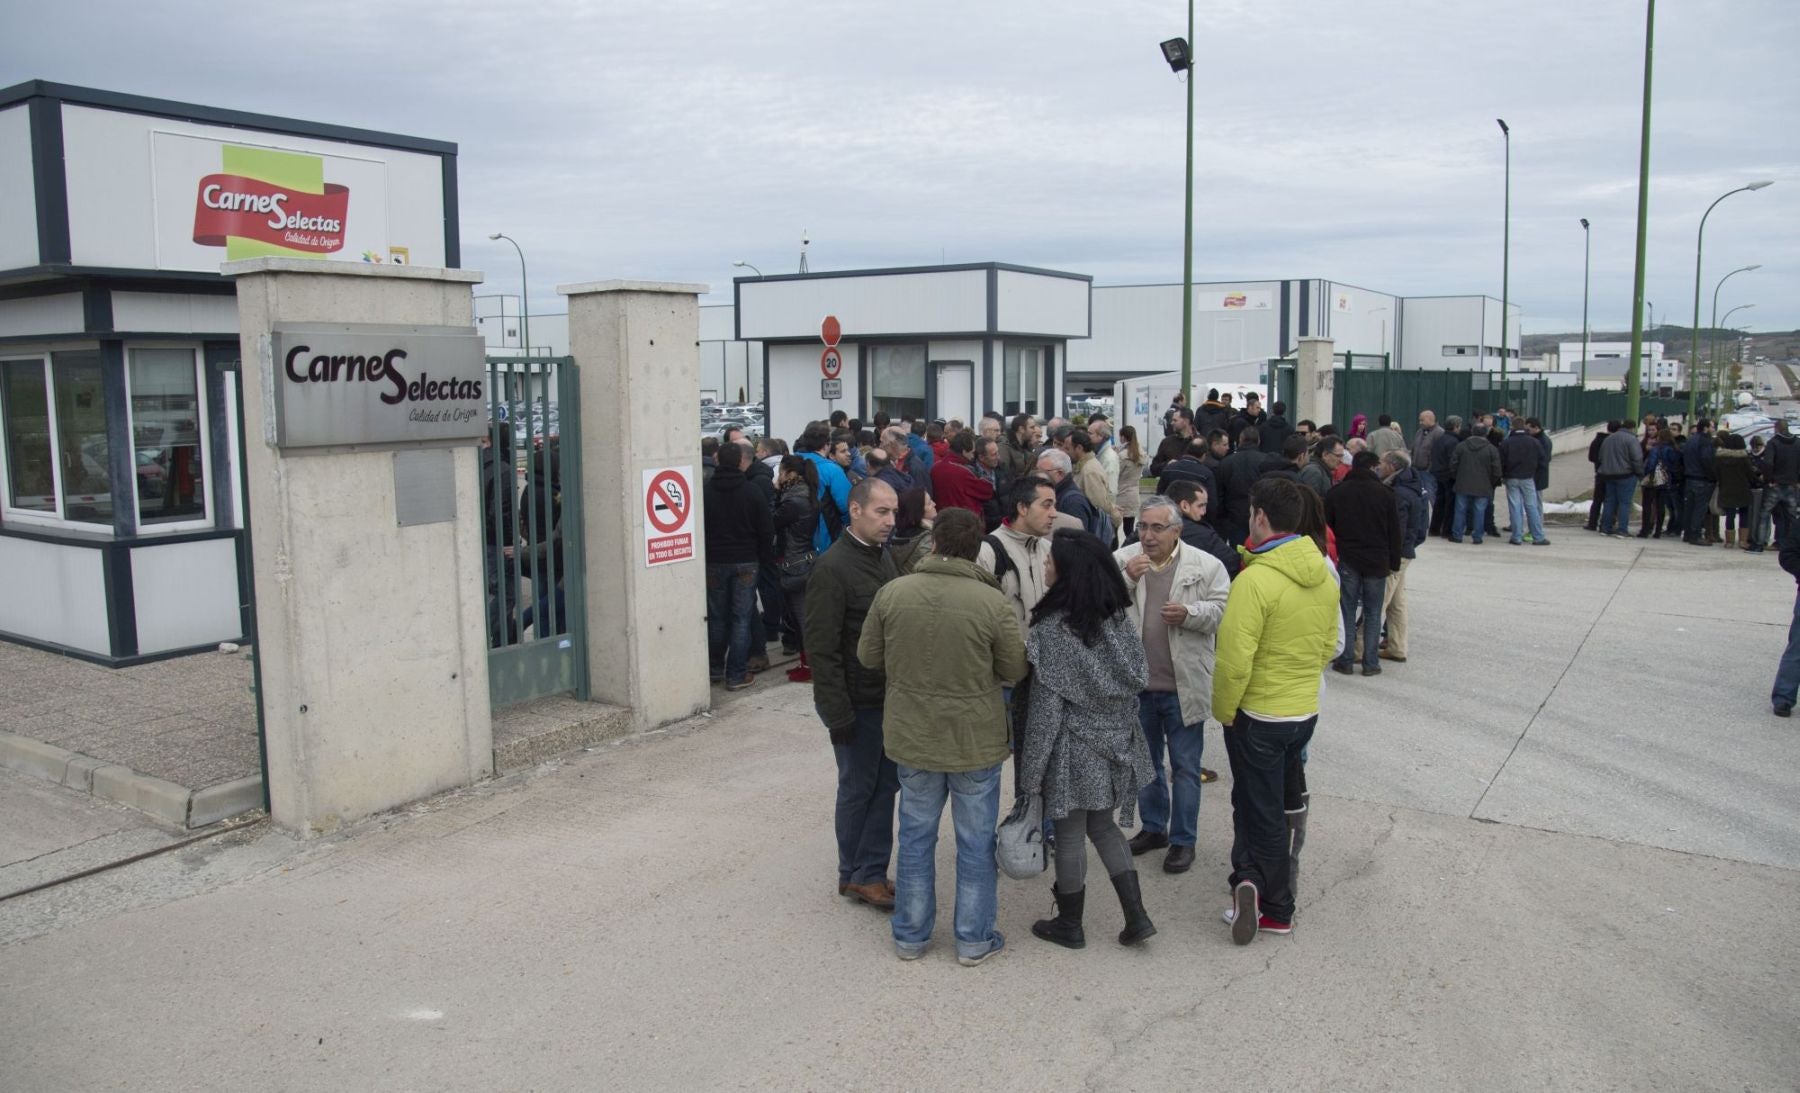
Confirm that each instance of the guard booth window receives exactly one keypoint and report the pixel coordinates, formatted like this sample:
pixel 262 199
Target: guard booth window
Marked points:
pixel 168 436
pixel 1024 372
pixel 897 380
pixel 25 416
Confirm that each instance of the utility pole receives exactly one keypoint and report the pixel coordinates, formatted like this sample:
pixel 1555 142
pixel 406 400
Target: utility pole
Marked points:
pixel 1634 374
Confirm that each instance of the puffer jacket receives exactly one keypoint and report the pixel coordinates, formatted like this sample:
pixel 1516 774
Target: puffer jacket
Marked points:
pixel 843 584
pixel 1202 584
pixel 1279 629
pixel 796 518
pixel 1083 748
pixel 944 637
pixel 1413 498
pixel 1736 477
pixel 1621 457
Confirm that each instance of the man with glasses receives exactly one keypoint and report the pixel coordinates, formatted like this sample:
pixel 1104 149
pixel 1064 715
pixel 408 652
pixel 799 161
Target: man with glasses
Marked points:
pixel 1178 595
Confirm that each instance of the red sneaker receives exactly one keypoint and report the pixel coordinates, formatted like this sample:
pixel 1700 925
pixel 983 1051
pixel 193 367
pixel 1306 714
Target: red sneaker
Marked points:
pixel 1267 925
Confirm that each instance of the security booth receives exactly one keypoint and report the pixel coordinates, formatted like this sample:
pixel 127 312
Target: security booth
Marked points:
pixel 121 486
pixel 927 341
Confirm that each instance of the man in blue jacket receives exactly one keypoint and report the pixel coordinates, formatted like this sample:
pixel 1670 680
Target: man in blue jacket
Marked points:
pixel 1699 478
pixel 834 484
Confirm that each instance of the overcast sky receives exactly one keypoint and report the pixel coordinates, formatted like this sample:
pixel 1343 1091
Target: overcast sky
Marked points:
pixel 1349 141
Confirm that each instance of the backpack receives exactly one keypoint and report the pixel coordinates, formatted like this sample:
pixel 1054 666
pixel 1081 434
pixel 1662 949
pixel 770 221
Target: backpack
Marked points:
pixel 1003 563
pixel 828 513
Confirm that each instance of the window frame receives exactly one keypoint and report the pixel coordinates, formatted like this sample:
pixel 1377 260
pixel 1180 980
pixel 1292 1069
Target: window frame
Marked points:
pixel 37 518
pixel 202 434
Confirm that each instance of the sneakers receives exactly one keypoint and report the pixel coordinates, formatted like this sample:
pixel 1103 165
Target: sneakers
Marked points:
pixel 747 681
pixel 977 961
pixel 1375 671
pixel 1267 925
pixel 1244 913
pixel 1540 542
pixel 1385 655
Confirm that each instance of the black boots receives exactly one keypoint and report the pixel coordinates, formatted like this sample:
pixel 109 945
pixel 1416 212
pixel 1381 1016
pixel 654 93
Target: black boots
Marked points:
pixel 1065 928
pixel 1138 926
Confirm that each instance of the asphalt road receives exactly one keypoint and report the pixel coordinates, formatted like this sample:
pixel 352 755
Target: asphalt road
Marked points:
pixel 1558 849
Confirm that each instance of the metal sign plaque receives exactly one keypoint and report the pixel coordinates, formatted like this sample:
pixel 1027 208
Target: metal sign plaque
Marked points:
pixel 336 384
pixel 831 389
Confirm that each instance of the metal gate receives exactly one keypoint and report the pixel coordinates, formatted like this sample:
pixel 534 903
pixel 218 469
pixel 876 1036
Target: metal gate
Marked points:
pixel 531 523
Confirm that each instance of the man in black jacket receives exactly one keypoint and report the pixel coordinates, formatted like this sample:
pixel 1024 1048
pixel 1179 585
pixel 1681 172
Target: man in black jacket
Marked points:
pixel 1444 505
pixel 1236 475
pixel 1520 457
pixel 1191 500
pixel 1251 416
pixel 1365 518
pixel 499 508
pixel 1190 467
pixel 1698 478
pixel 1781 487
pixel 740 538
pixel 1599 500
pixel 1275 428
pixel 1787 676
pixel 850 697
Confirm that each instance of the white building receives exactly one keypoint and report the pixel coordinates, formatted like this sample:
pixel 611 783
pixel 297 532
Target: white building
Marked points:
pixel 1607 364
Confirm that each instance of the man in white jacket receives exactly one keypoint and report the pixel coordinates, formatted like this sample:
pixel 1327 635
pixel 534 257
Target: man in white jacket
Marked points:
pixel 1178 597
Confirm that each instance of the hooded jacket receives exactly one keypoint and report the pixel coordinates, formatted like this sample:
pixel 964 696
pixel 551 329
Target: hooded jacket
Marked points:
pixel 1083 748
pixel 1070 500
pixel 1736 477
pixel 944 637
pixel 1413 500
pixel 1201 583
pixel 1275 430
pixel 955 484
pixel 1782 456
pixel 1189 468
pixel 738 528
pixel 1280 627
pixel 1475 466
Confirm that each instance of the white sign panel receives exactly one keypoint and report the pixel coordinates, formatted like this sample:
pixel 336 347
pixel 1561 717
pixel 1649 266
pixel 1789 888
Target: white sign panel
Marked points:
pixel 358 384
pixel 668 516
pixel 831 389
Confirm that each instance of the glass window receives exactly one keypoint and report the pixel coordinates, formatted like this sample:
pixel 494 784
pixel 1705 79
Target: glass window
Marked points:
pixel 83 455
pixel 166 435
pixel 897 379
pixel 30 466
pixel 1022 373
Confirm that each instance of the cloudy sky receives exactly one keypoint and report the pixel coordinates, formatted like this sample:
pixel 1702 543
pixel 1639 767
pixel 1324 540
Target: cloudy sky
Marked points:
pixel 1353 141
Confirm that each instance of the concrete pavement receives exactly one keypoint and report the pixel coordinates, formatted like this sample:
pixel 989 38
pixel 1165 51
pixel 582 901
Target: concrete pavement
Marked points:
pixel 1559 848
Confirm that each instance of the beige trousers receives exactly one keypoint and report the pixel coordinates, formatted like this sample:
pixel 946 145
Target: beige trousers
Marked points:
pixel 1393 610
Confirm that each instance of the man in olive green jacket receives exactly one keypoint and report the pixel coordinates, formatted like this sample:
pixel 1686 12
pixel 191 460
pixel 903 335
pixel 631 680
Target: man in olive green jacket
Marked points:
pixel 946 639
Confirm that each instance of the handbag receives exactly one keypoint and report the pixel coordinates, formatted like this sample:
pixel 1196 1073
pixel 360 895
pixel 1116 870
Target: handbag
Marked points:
pixel 795 569
pixel 1019 840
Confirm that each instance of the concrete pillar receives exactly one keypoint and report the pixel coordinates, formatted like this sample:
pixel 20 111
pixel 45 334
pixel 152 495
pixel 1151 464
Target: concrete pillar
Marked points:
pixel 1313 381
pixel 637 346
pixel 371 636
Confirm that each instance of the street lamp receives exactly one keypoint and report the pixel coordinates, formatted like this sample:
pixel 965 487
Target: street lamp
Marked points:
pixel 748 266
pixel 1180 57
pixel 1712 336
pixel 1715 356
pixel 524 300
pixel 1699 243
pixel 1634 372
pixel 1586 266
pixel 1505 255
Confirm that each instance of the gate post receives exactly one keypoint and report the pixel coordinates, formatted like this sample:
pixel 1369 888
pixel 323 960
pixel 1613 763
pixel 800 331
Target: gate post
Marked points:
pixel 636 345
pixel 365 528
pixel 1313 381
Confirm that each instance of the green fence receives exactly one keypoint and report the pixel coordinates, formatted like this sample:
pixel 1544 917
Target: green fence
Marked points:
pixel 1364 386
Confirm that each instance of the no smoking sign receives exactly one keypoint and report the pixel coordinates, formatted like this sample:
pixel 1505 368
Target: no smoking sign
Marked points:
pixel 668 516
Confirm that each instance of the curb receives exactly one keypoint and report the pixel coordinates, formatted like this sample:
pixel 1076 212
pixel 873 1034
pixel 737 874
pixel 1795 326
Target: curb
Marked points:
pixel 157 797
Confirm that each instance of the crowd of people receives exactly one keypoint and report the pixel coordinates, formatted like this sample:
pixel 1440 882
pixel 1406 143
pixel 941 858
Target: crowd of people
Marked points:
pixel 961 595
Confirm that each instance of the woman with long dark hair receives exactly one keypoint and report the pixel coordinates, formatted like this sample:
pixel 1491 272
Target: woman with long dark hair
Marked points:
pixel 1083 749
pixel 1127 491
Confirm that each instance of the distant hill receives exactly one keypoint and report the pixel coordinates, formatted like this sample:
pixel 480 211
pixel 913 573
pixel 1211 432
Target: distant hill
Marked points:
pixel 1776 345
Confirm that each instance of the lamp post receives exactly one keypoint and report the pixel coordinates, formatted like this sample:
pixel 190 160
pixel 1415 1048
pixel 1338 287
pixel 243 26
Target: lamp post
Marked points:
pixel 1699 243
pixel 1712 336
pixel 748 266
pixel 1505 256
pixel 1178 52
pixel 1634 370
pixel 1586 267
pixel 741 264
pixel 524 294
pixel 1718 402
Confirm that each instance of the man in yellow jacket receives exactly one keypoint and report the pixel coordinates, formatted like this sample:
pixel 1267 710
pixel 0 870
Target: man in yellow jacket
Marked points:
pixel 1279 630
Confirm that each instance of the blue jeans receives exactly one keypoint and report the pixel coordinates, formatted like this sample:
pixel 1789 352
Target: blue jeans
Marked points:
pixel 1261 753
pixel 1779 502
pixel 867 783
pixel 540 617
pixel 1615 518
pixel 1159 715
pixel 1355 591
pixel 1467 505
pixel 1525 508
pixel 730 599
pixel 1787 677
pixel 974 810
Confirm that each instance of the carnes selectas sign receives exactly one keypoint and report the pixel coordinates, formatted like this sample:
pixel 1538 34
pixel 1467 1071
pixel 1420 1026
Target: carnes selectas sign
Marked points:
pixel 250 208
pixel 357 384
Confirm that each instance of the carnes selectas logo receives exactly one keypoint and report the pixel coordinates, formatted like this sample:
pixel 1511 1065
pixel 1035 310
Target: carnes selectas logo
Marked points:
pixel 260 206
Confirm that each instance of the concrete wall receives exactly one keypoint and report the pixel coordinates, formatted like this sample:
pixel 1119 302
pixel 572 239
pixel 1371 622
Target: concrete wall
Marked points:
pixel 371 637
pixel 634 342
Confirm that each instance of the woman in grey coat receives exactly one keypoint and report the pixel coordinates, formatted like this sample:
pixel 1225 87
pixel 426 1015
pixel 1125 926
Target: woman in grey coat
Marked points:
pixel 1083 749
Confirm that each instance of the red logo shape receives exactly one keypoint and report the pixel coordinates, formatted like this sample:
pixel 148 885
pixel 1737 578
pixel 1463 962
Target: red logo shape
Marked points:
pixel 667 502
pixel 250 208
